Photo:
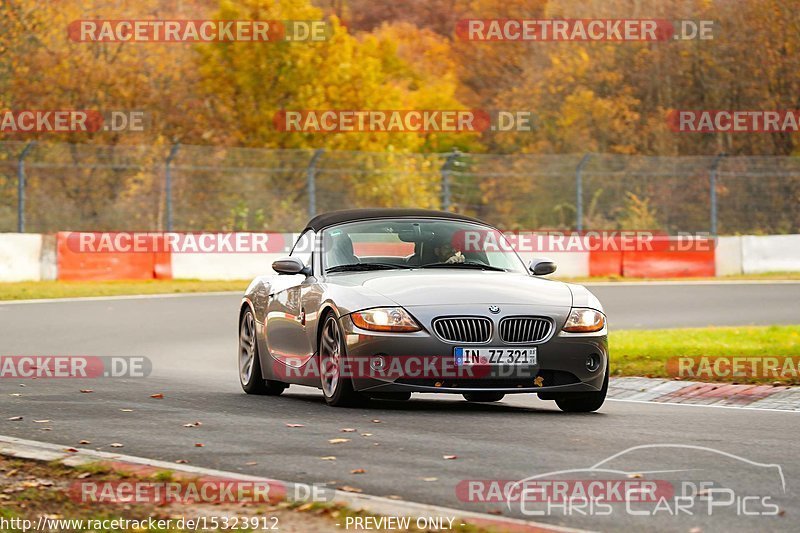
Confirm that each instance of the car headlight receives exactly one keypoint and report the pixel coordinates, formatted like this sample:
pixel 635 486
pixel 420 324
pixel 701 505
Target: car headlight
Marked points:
pixel 582 320
pixel 385 319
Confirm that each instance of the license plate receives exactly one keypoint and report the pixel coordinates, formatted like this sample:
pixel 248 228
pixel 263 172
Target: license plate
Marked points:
pixel 524 355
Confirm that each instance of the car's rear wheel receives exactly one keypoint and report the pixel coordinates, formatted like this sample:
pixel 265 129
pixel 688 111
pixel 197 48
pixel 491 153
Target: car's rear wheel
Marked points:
pixel 584 402
pixel 249 363
pixel 483 396
pixel 337 387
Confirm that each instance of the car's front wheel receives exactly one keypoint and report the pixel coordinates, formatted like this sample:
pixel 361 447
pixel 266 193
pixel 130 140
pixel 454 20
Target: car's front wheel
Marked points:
pixel 584 402
pixel 249 363
pixel 337 387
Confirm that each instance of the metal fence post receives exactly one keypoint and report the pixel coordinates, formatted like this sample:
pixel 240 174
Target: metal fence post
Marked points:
pixel 712 184
pixel 579 191
pixel 446 171
pixel 168 183
pixel 311 182
pixel 21 187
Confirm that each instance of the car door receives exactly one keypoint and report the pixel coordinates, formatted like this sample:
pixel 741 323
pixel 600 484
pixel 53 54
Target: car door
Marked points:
pixel 287 336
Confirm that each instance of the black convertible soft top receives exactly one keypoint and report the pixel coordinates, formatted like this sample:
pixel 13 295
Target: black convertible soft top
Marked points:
pixel 332 218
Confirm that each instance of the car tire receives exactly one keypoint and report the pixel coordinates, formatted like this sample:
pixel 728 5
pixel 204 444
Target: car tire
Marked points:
pixel 250 363
pixel 483 396
pixel 584 402
pixel 336 388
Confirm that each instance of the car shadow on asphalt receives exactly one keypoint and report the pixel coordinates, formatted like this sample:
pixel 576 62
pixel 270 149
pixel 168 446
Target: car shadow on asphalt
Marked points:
pixel 427 405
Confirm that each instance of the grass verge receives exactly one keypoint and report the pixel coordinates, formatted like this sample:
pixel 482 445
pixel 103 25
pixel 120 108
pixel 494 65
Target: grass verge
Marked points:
pixel 33 489
pixel 646 352
pixel 31 290
pixel 768 276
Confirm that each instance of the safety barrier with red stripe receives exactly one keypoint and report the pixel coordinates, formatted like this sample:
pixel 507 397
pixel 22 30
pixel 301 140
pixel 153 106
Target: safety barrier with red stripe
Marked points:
pixel 75 264
pixel 664 257
pixel 672 257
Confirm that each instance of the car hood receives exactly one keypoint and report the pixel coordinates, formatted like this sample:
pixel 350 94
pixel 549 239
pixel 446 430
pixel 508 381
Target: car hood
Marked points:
pixel 437 287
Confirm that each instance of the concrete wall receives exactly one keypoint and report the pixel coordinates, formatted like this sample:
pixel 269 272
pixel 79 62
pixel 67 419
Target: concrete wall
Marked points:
pixel 20 257
pixel 728 256
pixel 569 264
pixel 235 265
pixel 223 266
pixel 770 253
pixel 49 257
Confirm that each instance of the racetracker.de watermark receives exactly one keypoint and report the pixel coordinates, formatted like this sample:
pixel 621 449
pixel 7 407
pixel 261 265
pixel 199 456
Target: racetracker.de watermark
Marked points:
pixel 582 30
pixel 563 490
pixel 71 121
pixel 737 367
pixel 127 242
pixel 204 490
pixel 465 241
pixel 73 366
pixel 212 491
pixel 523 241
pixel 734 121
pixel 403 120
pixel 442 369
pixel 198 31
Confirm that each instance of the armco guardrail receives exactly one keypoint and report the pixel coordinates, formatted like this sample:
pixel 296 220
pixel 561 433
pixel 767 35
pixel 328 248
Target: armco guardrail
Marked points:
pixel 33 257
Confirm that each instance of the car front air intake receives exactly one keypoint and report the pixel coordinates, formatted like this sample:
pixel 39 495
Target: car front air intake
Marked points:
pixel 470 330
pixel 525 329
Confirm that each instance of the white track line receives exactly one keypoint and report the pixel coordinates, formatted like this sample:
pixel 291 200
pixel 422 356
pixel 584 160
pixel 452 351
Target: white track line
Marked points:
pixel 46 451
pixel 704 405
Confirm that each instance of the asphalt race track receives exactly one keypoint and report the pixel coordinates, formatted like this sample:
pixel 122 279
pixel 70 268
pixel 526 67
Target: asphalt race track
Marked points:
pixel 191 341
pixel 698 304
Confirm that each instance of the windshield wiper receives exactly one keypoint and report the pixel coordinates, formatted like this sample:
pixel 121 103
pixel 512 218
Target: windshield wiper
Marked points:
pixel 356 267
pixel 468 264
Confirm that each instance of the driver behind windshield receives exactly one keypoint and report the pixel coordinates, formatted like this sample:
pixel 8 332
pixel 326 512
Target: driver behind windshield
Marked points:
pixel 387 244
pixel 339 249
pixel 445 253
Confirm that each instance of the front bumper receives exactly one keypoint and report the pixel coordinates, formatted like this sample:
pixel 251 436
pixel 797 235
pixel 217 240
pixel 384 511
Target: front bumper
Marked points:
pixel 422 362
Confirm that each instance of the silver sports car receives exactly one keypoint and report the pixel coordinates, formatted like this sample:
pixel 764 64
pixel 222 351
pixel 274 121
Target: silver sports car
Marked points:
pixel 380 303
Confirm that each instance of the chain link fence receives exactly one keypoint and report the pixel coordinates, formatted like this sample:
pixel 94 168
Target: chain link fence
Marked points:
pixel 46 187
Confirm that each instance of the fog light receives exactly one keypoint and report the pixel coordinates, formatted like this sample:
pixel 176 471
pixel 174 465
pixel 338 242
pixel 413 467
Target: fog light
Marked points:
pixel 593 362
pixel 378 362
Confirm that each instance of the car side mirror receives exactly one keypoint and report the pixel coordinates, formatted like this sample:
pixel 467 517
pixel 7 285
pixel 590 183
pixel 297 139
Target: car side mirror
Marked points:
pixel 541 266
pixel 290 265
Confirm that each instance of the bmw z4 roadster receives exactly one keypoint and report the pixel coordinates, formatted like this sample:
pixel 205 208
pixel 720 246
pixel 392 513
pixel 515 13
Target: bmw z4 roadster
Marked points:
pixel 380 303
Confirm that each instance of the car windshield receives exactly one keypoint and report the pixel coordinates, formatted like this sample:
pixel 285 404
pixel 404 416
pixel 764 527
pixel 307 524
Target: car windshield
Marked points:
pixel 403 243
